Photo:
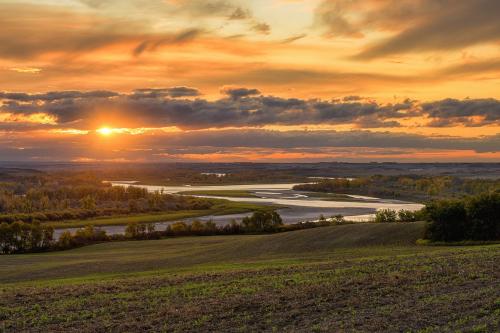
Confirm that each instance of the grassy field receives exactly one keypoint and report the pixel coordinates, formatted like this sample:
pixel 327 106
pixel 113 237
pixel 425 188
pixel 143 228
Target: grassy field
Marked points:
pixel 228 207
pixel 360 277
pixel 222 193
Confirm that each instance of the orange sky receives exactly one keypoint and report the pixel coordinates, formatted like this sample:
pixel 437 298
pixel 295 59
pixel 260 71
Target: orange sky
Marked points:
pixel 402 80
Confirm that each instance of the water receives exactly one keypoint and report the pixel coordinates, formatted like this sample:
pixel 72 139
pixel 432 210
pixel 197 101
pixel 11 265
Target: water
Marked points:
pixel 282 194
pixel 298 206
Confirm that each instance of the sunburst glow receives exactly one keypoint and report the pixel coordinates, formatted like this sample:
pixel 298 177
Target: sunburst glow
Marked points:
pixel 105 131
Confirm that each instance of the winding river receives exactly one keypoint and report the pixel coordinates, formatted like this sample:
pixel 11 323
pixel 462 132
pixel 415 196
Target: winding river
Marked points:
pixel 297 206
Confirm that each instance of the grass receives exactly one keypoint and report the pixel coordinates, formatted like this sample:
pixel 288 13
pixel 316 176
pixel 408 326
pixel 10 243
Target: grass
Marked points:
pixel 226 207
pixel 222 193
pixel 360 277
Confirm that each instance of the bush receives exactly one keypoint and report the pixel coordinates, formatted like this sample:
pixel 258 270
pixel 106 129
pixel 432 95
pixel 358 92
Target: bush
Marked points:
pixel 385 216
pixel 84 236
pixel 338 219
pixel 476 218
pixel 407 216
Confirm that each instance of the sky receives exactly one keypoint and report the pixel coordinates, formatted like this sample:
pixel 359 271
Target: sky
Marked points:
pixel 253 81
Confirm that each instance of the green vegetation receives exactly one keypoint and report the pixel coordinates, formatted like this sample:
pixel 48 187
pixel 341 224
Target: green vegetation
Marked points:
pixel 25 237
pixel 411 187
pixel 58 203
pixel 222 193
pixel 224 207
pixel 390 215
pixel 476 218
pixel 61 201
pixel 358 277
pixel 123 220
pixel 21 237
pixel 198 175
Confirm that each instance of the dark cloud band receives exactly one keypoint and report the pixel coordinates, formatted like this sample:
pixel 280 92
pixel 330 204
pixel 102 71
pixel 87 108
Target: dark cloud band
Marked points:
pixel 243 107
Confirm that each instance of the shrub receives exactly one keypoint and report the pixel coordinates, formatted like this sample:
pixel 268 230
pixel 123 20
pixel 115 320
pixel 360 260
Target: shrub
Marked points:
pixel 407 216
pixel 338 219
pixel 84 236
pixel 385 216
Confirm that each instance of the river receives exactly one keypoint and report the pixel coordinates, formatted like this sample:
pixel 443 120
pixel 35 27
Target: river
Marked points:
pixel 297 206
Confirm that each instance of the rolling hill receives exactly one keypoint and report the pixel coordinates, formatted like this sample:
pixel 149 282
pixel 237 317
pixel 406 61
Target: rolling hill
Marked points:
pixel 360 277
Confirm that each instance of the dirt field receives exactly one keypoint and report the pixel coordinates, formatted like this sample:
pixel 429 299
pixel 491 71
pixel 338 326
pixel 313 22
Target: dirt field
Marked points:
pixel 353 278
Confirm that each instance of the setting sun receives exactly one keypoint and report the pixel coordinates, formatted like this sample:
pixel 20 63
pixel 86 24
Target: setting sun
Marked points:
pixel 106 131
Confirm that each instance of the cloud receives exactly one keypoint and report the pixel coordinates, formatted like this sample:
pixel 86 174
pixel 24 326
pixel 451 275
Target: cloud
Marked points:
pixel 306 77
pixel 457 24
pixel 255 144
pixel 56 95
pixel 153 43
pixel 245 107
pixel 236 93
pixel 293 38
pixel 356 18
pixel 256 138
pixel 208 8
pixel 240 14
pixel 31 31
pixel 262 28
pixel 423 25
pixel 468 112
pixel 173 92
pixel 352 98
pixel 19 40
pixel 471 68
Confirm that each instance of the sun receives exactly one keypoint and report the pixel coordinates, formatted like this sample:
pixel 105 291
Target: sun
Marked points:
pixel 106 131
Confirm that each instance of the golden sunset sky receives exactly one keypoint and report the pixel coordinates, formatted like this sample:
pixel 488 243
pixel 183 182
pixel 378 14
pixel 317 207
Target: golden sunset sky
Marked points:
pixel 261 80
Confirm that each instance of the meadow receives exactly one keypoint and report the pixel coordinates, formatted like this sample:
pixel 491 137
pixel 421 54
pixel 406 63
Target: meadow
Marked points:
pixel 358 277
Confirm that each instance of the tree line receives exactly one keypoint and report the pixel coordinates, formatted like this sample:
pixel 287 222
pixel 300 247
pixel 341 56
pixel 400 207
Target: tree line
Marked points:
pixel 474 218
pixel 83 202
pixel 405 187
pixel 20 237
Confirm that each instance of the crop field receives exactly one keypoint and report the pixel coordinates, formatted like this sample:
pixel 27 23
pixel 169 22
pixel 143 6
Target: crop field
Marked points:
pixel 359 277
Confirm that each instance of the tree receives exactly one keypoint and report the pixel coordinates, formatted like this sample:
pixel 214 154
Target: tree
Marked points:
pixel 65 240
pixel 483 213
pixel 447 221
pixel 88 202
pixel 262 221
pixel 197 227
pixel 179 228
pixel 131 231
